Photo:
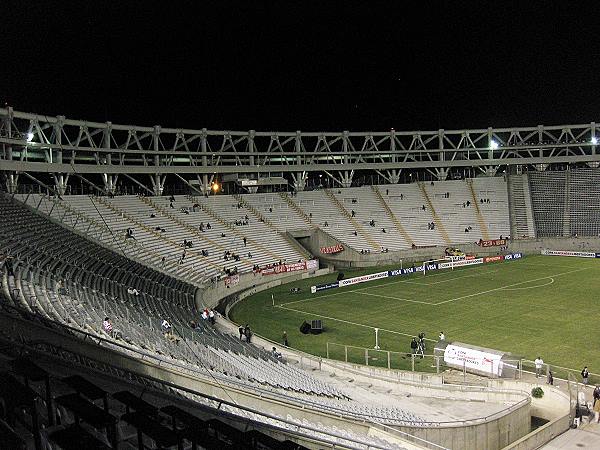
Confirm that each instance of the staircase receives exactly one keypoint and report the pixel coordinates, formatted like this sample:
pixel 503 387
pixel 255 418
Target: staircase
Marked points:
pixel 357 226
pixel 438 222
pixel 482 225
pixel 520 212
pixel 567 211
pixel 392 216
pixel 296 208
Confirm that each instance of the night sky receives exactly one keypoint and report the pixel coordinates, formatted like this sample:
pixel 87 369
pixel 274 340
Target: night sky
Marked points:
pixel 289 65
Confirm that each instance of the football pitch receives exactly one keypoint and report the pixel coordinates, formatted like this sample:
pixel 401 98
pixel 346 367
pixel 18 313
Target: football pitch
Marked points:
pixel 538 305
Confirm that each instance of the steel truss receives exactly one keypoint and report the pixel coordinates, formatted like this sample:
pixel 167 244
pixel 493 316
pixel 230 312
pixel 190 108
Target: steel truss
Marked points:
pixel 63 147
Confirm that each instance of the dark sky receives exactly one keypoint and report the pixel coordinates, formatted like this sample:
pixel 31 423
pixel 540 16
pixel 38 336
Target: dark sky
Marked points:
pixel 287 65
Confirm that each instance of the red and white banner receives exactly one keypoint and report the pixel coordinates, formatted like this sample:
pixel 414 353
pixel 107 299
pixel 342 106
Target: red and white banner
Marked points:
pixel 332 249
pixel 293 267
pixel 232 280
pixel 488 259
pixel 492 243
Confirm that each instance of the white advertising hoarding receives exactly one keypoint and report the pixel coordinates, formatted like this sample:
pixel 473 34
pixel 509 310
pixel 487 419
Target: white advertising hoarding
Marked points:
pixel 472 359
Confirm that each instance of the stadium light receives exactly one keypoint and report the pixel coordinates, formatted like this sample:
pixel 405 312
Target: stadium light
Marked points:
pixel 29 136
pixel 493 145
pixel 215 187
pixel 594 140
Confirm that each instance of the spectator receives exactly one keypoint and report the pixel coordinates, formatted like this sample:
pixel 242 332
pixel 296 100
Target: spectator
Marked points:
pixel 165 326
pixel 245 241
pixel 208 227
pixel 539 362
pixel 442 336
pixel 275 353
pixel 387 192
pixel 550 379
pixel 222 235
pixel 248 333
pixel 285 339
pixel 468 203
pixel 401 196
pixel 211 317
pixel 353 213
pixel 108 327
pixel 162 261
pixel 413 346
pixel 423 207
pixel 355 233
pixel 326 224
pixel 241 331
pixel 596 406
pixel 133 291
pixel 383 230
pixel 585 374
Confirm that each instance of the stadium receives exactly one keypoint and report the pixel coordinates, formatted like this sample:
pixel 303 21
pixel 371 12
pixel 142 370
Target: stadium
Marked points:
pixel 167 287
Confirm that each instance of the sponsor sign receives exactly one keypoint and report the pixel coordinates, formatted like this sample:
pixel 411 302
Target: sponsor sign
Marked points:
pixel 492 243
pixel 482 361
pixel 464 262
pixel 489 259
pixel 332 249
pixel 312 264
pixel 513 256
pixel 282 268
pixel 363 278
pixel 322 287
pixel 232 280
pixel 569 253
pixel 597 255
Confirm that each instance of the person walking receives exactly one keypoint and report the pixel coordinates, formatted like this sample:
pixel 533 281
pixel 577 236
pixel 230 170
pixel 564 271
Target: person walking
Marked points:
pixel 539 362
pixel 596 406
pixel 585 374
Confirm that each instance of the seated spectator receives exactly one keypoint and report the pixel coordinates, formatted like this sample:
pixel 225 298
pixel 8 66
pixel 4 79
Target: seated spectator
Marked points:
pixel 353 213
pixel 211 317
pixel 275 353
pixel 152 216
pixel 326 224
pixel 165 326
pixel 222 235
pixel 132 291
pixel 108 328
pixel 208 227
pixel 355 233
pixel 383 230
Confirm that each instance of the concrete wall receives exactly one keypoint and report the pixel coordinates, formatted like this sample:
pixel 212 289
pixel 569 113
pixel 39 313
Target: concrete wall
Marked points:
pixel 543 434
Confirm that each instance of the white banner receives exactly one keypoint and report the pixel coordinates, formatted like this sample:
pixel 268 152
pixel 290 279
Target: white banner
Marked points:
pixel 464 262
pixel 482 361
pixel 569 253
pixel 364 278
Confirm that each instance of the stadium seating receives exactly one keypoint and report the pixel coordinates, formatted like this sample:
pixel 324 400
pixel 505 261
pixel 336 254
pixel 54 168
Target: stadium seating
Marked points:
pixel 548 199
pixel 96 283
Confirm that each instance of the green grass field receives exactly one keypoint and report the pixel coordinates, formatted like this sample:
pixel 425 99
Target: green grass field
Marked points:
pixel 538 305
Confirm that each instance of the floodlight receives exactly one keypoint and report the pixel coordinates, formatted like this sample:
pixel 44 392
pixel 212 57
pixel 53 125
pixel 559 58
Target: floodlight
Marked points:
pixel 493 145
pixel 215 187
pixel 594 140
pixel 29 136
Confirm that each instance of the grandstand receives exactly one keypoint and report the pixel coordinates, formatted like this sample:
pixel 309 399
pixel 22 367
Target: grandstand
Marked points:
pixel 71 258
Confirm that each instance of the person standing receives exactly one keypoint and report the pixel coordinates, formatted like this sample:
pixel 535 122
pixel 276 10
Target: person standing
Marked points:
pixel 285 339
pixel 585 374
pixel 596 406
pixel 414 345
pixel 442 336
pixel 539 362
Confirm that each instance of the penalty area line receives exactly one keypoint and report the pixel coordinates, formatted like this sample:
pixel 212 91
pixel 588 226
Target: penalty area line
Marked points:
pixel 509 286
pixel 349 322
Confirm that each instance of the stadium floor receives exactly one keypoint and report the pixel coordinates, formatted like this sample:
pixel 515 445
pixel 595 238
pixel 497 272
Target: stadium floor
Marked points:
pixel 539 305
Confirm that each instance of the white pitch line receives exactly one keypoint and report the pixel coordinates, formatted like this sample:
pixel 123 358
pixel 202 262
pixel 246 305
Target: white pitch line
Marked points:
pixel 350 323
pixel 509 285
pixel 530 287
pixel 410 280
